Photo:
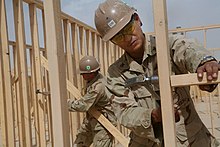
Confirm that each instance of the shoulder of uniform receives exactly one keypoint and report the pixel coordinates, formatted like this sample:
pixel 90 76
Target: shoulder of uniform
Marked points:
pixel 178 40
pixel 119 66
pixel 97 85
pixel 173 38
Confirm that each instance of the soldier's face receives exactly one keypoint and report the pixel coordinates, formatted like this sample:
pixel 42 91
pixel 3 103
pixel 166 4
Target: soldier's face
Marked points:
pixel 88 76
pixel 134 41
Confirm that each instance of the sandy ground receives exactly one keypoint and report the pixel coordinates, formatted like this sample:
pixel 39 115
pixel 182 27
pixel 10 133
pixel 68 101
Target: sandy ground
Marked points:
pixel 204 109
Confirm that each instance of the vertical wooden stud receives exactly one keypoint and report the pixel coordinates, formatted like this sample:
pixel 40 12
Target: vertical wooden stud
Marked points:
pixel 57 71
pixel 163 58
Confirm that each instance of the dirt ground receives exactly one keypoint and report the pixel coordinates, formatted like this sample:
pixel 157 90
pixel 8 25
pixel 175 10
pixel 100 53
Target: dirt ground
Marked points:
pixel 208 109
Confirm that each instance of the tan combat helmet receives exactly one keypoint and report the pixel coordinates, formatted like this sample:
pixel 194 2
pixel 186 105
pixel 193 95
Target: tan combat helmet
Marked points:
pixel 111 16
pixel 88 64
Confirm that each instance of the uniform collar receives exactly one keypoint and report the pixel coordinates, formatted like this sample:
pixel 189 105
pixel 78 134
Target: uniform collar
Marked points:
pixel 134 66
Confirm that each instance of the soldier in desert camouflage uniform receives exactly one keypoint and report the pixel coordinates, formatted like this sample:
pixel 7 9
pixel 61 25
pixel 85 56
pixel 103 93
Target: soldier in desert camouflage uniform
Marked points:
pixel 91 131
pixel 135 107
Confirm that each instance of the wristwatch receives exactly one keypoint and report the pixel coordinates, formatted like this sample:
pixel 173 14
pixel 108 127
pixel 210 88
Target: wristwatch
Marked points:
pixel 207 59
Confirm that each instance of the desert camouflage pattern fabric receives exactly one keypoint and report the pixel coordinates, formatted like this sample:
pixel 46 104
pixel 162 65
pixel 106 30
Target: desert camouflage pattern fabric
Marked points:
pixel 133 105
pixel 91 131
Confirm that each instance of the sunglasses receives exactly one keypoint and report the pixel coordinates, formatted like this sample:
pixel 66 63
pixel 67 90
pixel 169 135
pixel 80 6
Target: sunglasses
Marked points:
pixel 127 30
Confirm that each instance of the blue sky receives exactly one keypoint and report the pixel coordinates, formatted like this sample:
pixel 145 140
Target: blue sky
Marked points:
pixel 184 13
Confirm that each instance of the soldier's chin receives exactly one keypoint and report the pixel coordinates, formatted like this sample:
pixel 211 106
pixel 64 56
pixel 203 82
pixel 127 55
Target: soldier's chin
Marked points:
pixel 136 46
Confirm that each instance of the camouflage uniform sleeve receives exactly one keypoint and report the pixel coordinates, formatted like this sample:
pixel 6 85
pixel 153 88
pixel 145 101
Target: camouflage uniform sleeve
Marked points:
pixel 87 101
pixel 125 107
pixel 187 53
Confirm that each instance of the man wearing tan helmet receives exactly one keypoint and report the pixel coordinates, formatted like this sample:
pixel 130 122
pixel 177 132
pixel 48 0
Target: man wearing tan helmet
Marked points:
pixel 91 131
pixel 136 107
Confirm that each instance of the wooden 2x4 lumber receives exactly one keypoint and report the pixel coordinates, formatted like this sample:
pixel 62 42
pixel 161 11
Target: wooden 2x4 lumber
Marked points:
pixel 76 57
pixel 23 101
pixel 199 28
pixel 73 116
pixel 191 79
pixel 164 70
pixel 6 95
pixel 39 112
pixel 56 64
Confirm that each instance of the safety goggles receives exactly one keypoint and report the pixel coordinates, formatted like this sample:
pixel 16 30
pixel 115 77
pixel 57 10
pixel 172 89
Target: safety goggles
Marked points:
pixel 127 30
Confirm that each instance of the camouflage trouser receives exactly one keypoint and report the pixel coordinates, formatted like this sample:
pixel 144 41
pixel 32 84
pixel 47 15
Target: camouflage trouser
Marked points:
pixel 93 132
pixel 202 139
